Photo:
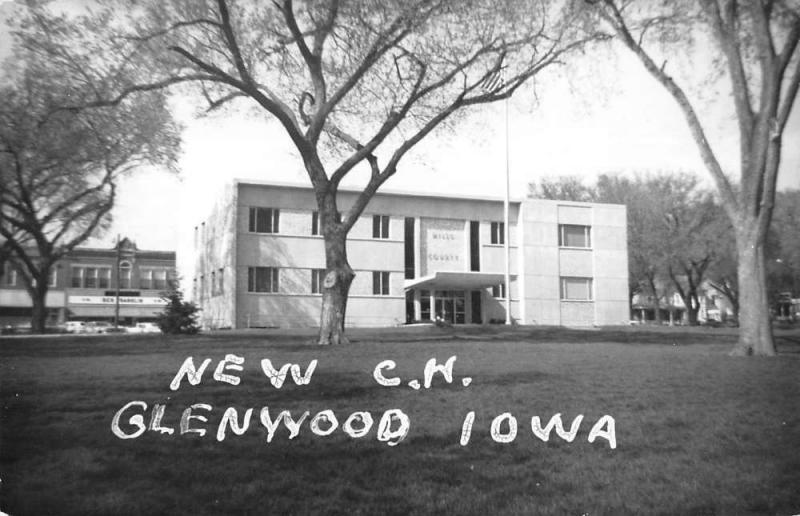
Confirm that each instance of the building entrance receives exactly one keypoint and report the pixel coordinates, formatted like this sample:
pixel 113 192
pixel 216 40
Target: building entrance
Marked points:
pixel 449 305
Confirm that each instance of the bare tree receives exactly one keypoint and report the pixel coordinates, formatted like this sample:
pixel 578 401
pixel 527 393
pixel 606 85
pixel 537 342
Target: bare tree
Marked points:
pixel 354 84
pixel 758 43
pixel 58 169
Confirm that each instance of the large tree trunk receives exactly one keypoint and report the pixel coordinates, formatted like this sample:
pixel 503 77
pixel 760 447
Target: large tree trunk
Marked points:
pixel 335 289
pixel 39 310
pixel 755 327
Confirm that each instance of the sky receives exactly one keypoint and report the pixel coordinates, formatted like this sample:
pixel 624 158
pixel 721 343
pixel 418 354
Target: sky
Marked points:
pixel 578 126
pixel 603 114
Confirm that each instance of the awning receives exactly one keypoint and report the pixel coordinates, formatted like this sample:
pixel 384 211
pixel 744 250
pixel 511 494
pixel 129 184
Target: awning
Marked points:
pixel 457 280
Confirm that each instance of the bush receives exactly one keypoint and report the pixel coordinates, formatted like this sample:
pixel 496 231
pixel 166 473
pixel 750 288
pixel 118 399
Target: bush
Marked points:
pixel 179 316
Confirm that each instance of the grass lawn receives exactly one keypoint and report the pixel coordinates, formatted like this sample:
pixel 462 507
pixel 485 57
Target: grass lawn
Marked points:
pixel 697 432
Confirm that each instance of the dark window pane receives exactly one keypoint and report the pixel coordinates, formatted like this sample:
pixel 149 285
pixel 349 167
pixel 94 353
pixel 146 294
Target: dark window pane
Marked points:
pixel 384 226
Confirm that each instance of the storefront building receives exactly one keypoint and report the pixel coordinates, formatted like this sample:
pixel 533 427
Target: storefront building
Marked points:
pixel 83 286
pixel 260 260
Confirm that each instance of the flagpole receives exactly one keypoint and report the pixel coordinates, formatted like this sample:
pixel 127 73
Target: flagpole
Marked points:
pixel 506 203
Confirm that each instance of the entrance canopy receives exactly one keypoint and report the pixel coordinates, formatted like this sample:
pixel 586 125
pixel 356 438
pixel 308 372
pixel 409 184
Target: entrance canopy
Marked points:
pixel 456 280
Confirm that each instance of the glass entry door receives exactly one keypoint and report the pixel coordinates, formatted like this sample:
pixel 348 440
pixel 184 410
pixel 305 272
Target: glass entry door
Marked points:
pixel 449 306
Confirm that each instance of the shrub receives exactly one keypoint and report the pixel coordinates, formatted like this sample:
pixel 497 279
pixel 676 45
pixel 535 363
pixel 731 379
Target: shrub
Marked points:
pixel 179 316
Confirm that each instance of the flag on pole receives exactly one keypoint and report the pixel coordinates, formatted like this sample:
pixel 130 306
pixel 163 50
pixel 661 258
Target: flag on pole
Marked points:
pixel 495 81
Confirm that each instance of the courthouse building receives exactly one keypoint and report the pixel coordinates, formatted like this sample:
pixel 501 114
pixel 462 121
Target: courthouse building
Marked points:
pixel 260 260
pixel 83 286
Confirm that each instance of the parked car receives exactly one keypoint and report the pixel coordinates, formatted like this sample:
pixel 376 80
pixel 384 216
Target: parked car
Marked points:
pixel 144 327
pixel 98 326
pixel 75 327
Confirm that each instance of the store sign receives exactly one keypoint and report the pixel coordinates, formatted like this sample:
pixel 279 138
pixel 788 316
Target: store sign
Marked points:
pixel 112 300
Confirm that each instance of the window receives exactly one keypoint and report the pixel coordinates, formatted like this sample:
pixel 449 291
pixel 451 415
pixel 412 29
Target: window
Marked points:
pixel 160 279
pixel 380 226
pixel 90 277
pixel 154 279
pixel 264 220
pixel 103 278
pixel 317 277
pixel 576 289
pixel 52 278
pixel 262 279
pixel 425 305
pixel 498 233
pixel 499 291
pixel 573 235
pixel 380 283
pixel 125 274
pixel 10 276
pixel 86 277
pixel 315 223
pixel 77 277
pixel 145 279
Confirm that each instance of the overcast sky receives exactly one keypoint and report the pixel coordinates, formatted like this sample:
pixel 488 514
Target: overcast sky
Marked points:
pixel 581 126
pixel 605 114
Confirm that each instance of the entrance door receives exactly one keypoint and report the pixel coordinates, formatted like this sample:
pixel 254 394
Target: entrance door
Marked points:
pixel 449 305
pixel 476 307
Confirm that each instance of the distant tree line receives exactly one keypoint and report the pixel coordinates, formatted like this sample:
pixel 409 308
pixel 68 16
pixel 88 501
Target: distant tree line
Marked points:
pixel 679 238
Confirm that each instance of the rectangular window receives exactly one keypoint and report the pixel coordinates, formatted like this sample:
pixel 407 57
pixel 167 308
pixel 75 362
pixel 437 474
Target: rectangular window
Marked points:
pixel 317 276
pixel 10 276
pixel 498 235
pixel 576 289
pixel 77 277
pixel 262 279
pixel 380 283
pixel 315 223
pixel 425 305
pixel 160 279
pixel 125 276
pixel 499 291
pixel 573 235
pixel 145 279
pixel 90 277
pixel 380 226
pixel 103 278
pixel 52 278
pixel 264 220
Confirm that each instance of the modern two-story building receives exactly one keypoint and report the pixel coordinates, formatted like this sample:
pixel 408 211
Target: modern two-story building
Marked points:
pixel 260 260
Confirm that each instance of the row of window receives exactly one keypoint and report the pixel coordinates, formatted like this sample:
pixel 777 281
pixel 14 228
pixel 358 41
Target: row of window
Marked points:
pixel 267 279
pixel 572 289
pixel 100 277
pixel 267 220
pixel 11 277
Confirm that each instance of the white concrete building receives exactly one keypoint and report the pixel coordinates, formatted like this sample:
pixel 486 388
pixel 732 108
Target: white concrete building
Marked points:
pixel 260 260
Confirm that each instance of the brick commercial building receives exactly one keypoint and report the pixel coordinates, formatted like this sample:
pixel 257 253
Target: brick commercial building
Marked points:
pixel 83 286
pixel 259 260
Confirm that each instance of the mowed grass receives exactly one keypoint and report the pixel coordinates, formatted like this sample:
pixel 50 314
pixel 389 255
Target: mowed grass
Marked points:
pixel 697 432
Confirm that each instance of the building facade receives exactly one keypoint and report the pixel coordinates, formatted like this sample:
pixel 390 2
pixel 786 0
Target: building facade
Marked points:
pixel 83 286
pixel 260 260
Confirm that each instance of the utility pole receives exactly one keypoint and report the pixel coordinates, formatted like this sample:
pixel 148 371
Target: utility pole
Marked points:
pixel 506 226
pixel 116 304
